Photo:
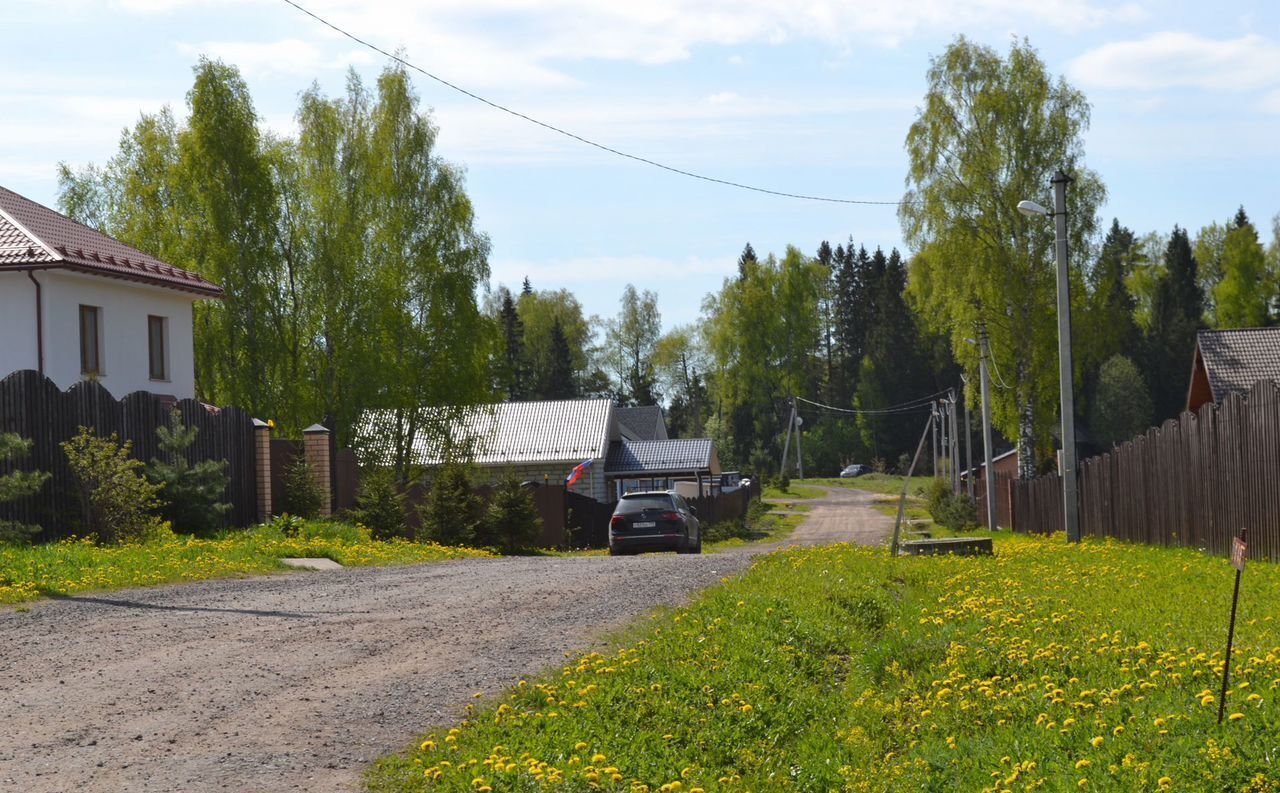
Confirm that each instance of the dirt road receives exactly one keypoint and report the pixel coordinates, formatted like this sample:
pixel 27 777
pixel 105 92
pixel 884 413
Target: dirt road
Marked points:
pixel 296 682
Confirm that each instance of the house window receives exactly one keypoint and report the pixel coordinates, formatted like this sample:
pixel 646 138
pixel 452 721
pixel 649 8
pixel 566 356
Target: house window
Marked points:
pixel 158 347
pixel 91 340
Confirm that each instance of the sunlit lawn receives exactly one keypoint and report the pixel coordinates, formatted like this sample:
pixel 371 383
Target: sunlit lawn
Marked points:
pixel 1046 667
pixel 64 568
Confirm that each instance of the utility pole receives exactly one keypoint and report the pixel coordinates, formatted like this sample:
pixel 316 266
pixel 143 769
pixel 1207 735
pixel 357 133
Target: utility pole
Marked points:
pixel 989 474
pixel 968 438
pixel 1070 498
pixel 786 446
pixel 933 447
pixel 799 453
pixel 955 447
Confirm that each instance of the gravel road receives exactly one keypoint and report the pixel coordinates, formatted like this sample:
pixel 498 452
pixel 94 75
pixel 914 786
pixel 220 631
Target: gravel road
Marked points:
pixel 296 682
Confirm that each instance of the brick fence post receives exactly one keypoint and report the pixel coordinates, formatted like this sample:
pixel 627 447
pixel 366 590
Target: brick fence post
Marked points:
pixel 315 445
pixel 262 467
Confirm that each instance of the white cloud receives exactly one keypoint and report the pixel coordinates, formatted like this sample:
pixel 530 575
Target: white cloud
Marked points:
pixel 722 98
pixel 1181 60
pixel 517 43
pixel 292 57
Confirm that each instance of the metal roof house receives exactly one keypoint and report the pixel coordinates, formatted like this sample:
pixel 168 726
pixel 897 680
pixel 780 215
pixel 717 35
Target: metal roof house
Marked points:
pixel 657 465
pixel 76 304
pixel 544 441
pixel 1230 362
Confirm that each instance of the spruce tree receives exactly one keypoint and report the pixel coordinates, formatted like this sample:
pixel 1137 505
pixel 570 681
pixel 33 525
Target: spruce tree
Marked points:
pixel 515 370
pixel 559 381
pixel 747 258
pixel 1177 308
pixel 451 514
pixel 512 521
pixel 190 495
pixel 17 485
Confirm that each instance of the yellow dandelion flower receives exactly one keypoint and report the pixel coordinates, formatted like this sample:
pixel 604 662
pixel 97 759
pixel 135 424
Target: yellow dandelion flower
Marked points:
pixel 1096 742
pixel 1083 763
pixel 1235 717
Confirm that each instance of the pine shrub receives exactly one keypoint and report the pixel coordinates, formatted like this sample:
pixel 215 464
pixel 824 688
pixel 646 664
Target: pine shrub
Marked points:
pixel 512 521
pixel 301 495
pixel 380 505
pixel 17 485
pixel 191 498
pixel 452 513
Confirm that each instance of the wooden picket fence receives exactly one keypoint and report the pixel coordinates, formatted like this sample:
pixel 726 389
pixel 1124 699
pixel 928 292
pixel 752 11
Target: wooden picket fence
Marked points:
pixel 34 407
pixel 1192 482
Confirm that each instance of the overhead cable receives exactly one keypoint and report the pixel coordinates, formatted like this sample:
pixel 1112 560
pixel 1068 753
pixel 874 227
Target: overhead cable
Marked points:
pixel 910 406
pixel 579 138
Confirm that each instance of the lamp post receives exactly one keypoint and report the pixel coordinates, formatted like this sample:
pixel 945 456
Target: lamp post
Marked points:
pixel 1070 497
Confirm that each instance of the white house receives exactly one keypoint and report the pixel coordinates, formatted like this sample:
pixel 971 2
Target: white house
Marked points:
pixel 76 304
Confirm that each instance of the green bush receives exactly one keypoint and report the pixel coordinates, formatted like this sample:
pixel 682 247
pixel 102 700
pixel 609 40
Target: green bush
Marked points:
pixel 118 503
pixel 451 514
pixel 784 483
pixel 191 495
pixel 380 505
pixel 301 495
pixel 17 485
pixel 954 511
pixel 512 521
pixel 286 525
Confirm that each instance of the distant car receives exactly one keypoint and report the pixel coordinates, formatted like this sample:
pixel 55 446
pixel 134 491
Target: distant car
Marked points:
pixel 854 471
pixel 654 521
pixel 745 482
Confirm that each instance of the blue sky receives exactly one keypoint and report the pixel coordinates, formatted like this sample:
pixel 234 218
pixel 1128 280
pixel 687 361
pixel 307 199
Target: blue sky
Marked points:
pixel 807 96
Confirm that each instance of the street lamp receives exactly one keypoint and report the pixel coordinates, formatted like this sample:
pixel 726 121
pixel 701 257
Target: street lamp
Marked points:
pixel 1070 499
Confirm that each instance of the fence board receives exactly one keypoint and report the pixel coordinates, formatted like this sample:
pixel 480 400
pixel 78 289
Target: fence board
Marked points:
pixel 34 408
pixel 1192 482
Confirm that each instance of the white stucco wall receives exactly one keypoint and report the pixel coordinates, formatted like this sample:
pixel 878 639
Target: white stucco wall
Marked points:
pixel 124 306
pixel 17 323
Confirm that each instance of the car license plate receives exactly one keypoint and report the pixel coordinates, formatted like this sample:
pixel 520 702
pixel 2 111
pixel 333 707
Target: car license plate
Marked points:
pixel 644 524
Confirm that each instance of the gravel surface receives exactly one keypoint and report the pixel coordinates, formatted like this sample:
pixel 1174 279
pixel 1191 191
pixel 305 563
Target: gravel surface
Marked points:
pixel 296 682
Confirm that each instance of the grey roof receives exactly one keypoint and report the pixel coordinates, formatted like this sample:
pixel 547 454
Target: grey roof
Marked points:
pixel 1236 359
pixel 659 457
pixel 509 432
pixel 642 423
pixel 32 234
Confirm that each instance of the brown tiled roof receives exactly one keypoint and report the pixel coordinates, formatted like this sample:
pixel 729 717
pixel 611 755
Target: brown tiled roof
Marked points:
pixel 34 234
pixel 1236 359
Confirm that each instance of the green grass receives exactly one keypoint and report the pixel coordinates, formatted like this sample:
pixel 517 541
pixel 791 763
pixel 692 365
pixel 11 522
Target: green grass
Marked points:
pixel 70 567
pixel 795 491
pixel 841 669
pixel 885 484
pixel 763 525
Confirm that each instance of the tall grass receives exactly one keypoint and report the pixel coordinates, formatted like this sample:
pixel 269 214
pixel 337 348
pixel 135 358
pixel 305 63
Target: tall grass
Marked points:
pixel 1046 667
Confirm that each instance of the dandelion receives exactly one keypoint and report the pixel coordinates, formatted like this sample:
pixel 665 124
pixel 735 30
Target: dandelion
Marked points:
pixel 1096 742
pixel 1083 764
pixel 1235 717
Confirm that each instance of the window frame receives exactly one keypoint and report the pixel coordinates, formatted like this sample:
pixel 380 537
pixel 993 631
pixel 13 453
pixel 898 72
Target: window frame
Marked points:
pixel 91 317
pixel 154 320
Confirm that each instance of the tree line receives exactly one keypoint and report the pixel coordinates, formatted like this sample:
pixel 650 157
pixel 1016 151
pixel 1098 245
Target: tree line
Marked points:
pixel 356 279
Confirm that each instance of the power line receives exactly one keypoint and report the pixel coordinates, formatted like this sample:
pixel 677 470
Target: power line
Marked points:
pixel 910 406
pixel 579 138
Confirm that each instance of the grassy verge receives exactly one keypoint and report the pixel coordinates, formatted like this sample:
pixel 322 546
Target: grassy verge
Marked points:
pixel 794 491
pixel 885 484
pixel 69 567
pixel 1046 667
pixel 763 523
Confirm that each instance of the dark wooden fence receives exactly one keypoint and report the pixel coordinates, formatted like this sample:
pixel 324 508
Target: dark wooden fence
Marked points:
pixel 33 407
pixel 1192 482
pixel 1004 499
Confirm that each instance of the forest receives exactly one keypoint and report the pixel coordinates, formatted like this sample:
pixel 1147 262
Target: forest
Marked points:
pixel 356 278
